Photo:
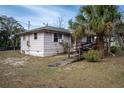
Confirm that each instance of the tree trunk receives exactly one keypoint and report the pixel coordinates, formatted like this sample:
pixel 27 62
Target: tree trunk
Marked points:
pixel 75 44
pixel 100 44
pixel 108 45
pixel 68 51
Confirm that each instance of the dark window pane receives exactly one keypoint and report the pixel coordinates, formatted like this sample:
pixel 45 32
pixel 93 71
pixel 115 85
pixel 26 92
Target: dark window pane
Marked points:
pixel 88 39
pixel 55 37
pixel 55 34
pixel 35 35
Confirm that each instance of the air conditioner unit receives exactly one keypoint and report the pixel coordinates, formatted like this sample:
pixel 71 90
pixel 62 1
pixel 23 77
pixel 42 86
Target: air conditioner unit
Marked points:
pixel 60 40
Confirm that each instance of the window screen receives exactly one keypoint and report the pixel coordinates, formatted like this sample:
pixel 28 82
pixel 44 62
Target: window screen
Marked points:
pixel 55 37
pixel 35 35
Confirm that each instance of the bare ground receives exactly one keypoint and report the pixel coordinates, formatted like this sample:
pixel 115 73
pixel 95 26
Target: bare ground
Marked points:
pixel 18 70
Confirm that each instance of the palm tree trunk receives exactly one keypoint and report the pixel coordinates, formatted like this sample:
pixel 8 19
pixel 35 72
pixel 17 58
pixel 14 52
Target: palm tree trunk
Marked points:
pixel 106 46
pixel 75 44
pixel 109 45
pixel 100 44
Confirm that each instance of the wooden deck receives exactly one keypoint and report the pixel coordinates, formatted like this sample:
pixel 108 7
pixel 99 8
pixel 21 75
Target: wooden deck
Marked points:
pixel 76 56
pixel 61 63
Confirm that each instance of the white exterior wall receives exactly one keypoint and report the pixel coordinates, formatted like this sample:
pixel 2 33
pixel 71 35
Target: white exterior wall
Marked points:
pixel 51 47
pixel 36 46
pixel 114 42
pixel 23 44
pixel 44 45
pixel 84 39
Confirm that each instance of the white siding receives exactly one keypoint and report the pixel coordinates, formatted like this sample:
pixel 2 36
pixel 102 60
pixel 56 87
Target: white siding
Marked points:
pixel 67 38
pixel 84 39
pixel 51 47
pixel 44 45
pixel 24 44
pixel 36 46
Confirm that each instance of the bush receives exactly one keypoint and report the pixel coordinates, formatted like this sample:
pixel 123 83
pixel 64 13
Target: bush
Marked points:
pixel 65 45
pixel 114 49
pixel 92 56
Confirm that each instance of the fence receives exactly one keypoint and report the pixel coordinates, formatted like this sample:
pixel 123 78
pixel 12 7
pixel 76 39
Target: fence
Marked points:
pixel 9 48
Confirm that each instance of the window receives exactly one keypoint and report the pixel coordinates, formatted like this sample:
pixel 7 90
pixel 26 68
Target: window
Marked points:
pixel 89 38
pixel 35 35
pixel 55 37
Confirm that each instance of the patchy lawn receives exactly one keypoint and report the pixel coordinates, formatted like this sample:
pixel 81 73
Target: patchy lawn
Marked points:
pixel 18 70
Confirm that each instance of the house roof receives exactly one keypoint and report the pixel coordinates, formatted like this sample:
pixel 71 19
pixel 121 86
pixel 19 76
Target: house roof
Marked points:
pixel 46 28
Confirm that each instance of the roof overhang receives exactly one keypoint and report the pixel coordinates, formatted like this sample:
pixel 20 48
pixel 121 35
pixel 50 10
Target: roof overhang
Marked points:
pixel 45 29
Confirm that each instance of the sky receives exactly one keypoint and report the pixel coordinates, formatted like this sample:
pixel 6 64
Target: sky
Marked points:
pixel 40 15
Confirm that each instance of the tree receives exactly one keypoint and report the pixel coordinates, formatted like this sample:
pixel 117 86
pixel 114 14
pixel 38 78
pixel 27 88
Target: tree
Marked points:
pixel 78 30
pixel 60 22
pixel 9 27
pixel 100 20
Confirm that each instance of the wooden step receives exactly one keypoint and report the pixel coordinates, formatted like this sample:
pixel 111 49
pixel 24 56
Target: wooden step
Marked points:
pixel 62 63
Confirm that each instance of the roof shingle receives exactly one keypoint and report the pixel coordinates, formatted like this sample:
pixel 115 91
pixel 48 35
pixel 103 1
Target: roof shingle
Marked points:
pixel 48 28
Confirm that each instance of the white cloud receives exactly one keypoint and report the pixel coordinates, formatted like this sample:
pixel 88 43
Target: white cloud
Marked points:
pixel 44 15
pixel 43 10
pixel 49 14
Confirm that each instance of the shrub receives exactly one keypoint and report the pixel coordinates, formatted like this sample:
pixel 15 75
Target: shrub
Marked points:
pixel 92 56
pixel 65 45
pixel 114 49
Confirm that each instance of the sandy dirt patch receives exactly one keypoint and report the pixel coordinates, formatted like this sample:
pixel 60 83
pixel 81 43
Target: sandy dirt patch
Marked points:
pixel 16 61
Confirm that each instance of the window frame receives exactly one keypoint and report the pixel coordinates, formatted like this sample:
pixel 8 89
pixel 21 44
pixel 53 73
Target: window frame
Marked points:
pixel 55 38
pixel 35 36
pixel 89 39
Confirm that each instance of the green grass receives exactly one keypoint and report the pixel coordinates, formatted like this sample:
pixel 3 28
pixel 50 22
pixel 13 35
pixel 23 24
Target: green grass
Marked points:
pixel 35 72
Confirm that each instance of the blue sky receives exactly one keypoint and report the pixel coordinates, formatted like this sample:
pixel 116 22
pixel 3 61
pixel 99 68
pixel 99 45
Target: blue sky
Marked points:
pixel 37 15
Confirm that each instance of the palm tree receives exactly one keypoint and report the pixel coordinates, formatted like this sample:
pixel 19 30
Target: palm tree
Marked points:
pixel 100 20
pixel 78 30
